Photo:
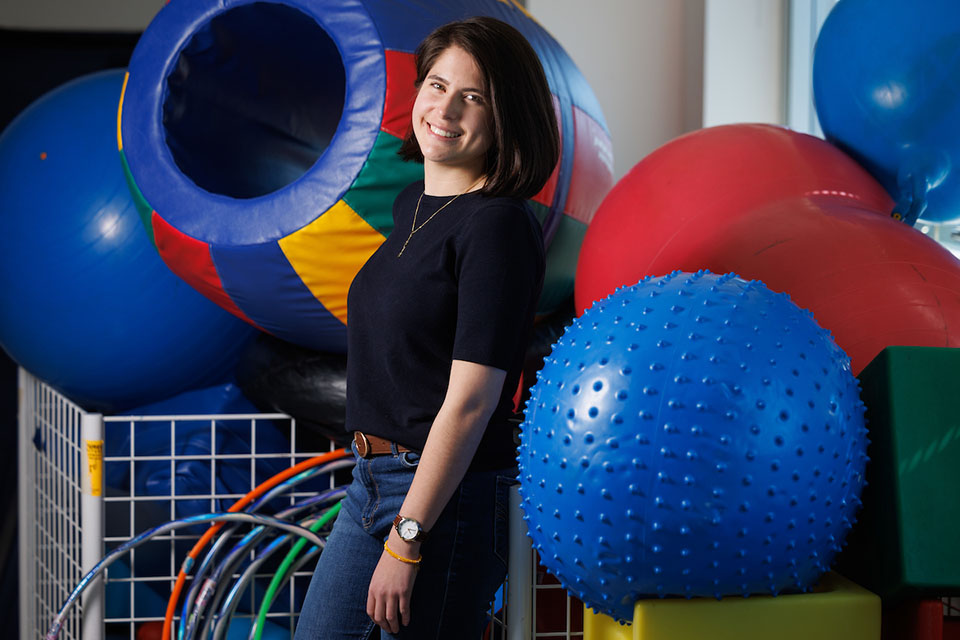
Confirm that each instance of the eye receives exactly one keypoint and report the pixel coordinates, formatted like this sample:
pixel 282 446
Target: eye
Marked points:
pixel 472 97
pixel 437 86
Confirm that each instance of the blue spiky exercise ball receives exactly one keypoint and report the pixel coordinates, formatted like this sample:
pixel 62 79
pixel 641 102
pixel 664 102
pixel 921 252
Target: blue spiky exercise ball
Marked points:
pixel 691 435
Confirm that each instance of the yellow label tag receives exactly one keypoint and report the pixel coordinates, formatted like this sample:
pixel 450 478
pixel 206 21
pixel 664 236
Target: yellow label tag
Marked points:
pixel 95 466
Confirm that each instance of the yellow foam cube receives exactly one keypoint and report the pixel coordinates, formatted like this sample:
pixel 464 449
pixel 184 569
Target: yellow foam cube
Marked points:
pixel 837 609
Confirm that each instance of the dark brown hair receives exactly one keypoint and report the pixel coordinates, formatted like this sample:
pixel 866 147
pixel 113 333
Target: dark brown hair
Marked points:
pixel 526 143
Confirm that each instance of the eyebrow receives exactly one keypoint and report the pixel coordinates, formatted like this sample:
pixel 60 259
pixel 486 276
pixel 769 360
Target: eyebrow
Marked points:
pixel 434 76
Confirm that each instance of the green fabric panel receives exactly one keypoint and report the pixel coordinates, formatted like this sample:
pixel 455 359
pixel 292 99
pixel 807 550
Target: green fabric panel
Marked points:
pixel 561 263
pixel 382 177
pixel 143 207
pixel 539 210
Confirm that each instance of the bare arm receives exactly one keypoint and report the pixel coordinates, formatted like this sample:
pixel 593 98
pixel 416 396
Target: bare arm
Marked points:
pixel 472 395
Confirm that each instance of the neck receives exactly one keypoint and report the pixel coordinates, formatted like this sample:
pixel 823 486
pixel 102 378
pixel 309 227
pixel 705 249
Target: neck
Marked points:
pixel 450 182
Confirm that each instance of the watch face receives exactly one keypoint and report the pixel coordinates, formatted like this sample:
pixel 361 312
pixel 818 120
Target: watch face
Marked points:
pixel 408 529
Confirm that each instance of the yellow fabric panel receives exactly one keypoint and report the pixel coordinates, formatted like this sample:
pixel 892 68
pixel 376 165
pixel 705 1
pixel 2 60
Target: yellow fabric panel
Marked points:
pixel 516 4
pixel 123 92
pixel 837 609
pixel 328 253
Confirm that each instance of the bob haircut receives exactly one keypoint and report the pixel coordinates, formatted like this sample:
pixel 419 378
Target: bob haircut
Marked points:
pixel 526 144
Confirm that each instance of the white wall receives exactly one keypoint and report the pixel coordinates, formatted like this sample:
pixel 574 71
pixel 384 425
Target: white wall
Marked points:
pixel 806 18
pixel 644 61
pixel 745 61
pixel 78 15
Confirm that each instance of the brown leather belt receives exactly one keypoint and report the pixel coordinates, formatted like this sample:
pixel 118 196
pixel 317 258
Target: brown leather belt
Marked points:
pixel 368 445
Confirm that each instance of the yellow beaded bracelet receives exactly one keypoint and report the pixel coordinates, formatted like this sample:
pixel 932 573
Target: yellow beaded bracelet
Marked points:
pixel 399 557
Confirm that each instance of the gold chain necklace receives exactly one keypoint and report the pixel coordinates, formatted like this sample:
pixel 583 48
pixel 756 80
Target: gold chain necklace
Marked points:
pixel 414 228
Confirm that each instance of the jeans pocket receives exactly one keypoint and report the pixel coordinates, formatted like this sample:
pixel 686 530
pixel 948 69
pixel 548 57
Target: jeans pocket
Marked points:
pixel 501 518
pixel 409 459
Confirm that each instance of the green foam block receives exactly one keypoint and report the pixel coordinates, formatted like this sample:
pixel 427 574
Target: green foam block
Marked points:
pixel 906 542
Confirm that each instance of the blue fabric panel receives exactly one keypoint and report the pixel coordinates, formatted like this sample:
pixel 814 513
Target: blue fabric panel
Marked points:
pixel 213 218
pixel 552 222
pixel 262 283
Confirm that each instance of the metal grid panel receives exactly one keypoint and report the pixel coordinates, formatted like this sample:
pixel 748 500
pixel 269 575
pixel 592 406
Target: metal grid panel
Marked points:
pixel 558 615
pixel 535 606
pixel 50 531
pixel 52 513
pixel 141 586
pixel 951 608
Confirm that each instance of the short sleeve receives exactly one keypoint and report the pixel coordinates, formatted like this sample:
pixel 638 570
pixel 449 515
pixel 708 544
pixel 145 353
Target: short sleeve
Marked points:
pixel 500 266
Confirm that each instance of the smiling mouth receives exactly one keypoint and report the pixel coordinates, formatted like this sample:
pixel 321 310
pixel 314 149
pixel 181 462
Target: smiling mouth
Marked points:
pixel 442 133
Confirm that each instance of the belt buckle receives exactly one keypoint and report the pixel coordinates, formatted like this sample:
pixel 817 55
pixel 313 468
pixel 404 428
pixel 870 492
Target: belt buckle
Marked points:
pixel 363 445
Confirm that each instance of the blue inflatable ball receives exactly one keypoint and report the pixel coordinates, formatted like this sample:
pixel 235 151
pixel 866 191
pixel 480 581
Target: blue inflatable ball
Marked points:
pixel 691 435
pixel 85 302
pixel 885 87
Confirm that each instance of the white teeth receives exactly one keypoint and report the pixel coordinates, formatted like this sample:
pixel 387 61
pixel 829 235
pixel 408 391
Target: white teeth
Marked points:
pixel 445 134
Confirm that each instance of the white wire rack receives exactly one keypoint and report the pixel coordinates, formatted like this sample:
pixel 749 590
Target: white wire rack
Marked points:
pixel 50 530
pixel 69 518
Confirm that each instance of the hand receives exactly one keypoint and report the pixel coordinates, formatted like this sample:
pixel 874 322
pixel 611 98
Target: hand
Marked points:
pixel 388 596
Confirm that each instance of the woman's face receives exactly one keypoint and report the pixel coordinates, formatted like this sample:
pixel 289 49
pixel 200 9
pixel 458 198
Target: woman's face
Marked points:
pixel 452 115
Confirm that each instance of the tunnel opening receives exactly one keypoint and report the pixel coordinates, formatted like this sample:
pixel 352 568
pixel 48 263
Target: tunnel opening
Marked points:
pixel 253 100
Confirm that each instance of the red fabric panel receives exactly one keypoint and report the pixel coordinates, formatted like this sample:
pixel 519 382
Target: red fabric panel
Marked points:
pixel 191 260
pixel 592 175
pixel 545 197
pixel 518 395
pixel 398 103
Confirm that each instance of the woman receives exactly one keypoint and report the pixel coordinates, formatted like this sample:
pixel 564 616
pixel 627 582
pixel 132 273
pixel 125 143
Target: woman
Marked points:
pixel 438 323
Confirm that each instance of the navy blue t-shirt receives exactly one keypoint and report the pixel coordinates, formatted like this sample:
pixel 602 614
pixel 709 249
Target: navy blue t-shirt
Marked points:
pixel 465 288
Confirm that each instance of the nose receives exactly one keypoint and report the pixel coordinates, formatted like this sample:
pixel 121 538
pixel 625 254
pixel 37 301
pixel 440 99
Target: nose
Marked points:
pixel 450 106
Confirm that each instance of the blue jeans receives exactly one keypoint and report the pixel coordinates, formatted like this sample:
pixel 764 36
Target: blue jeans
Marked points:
pixel 464 559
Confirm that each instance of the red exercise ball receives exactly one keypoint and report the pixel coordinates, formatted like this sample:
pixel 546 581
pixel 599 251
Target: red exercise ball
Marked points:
pixel 703 180
pixel 872 281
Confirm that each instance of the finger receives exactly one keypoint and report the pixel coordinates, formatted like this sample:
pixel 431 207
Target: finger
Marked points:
pixel 392 621
pixel 405 610
pixel 380 616
pixel 371 605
